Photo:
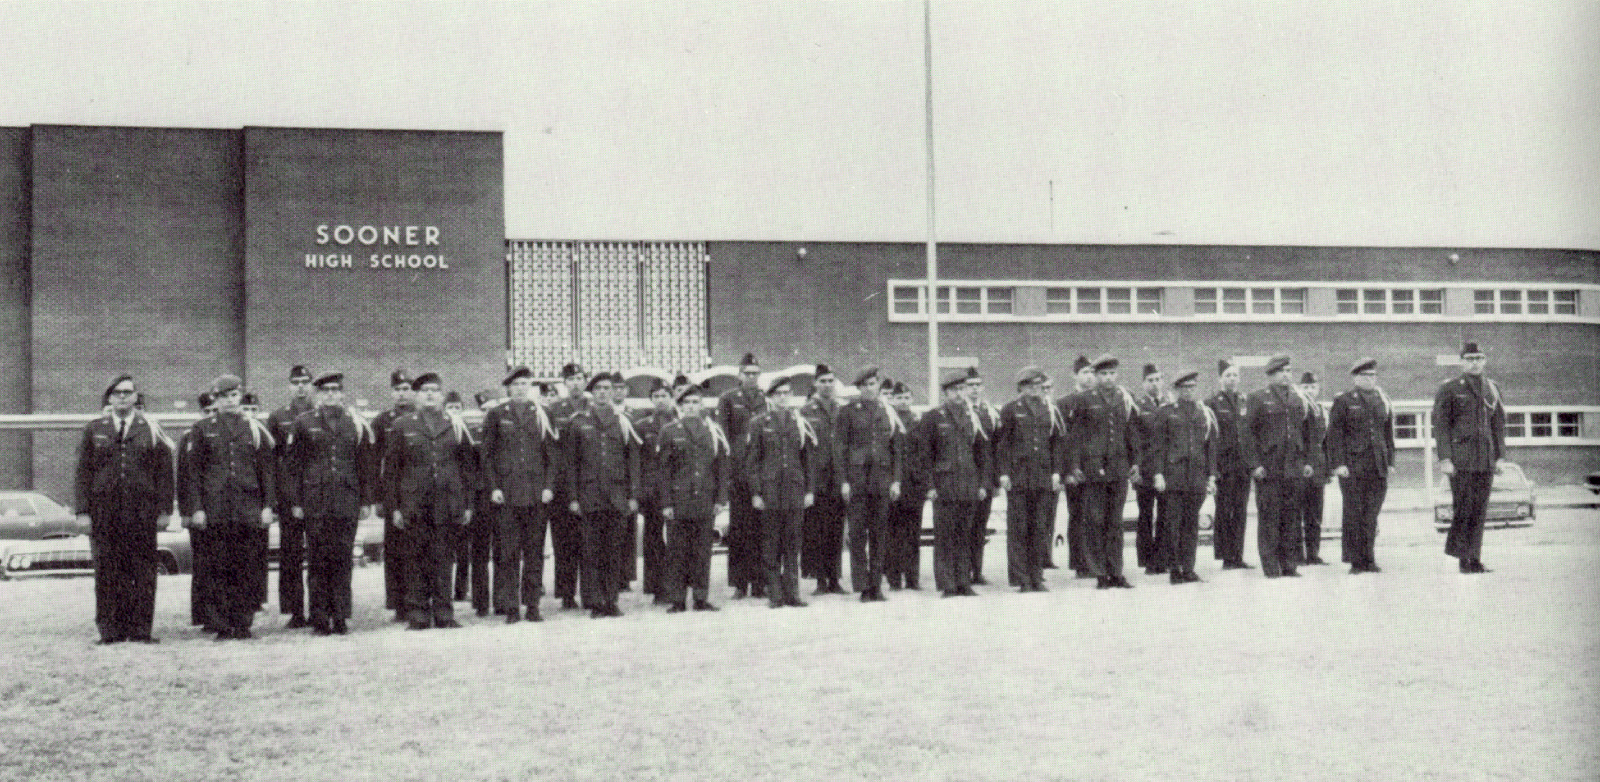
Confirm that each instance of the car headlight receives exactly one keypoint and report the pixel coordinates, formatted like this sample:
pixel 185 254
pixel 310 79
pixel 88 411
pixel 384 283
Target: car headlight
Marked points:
pixel 1443 512
pixel 1524 510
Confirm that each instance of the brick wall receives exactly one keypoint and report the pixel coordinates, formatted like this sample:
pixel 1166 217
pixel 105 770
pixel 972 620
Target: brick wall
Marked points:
pixel 16 396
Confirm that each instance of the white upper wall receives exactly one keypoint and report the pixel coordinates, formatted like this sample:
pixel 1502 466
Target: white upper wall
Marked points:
pixel 1288 122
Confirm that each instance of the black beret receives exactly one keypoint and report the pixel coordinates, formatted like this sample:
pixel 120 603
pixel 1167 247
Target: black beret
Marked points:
pixel 972 373
pixel 749 360
pixel 206 399
pixel 685 391
pixel 331 377
pixel 1306 378
pixel 452 396
pixel 1186 379
pixel 1277 363
pixel 1150 369
pixel 680 381
pixel 519 372
pixel 299 371
pixel 399 377
pixel 225 383
pixel 571 370
pixel 777 383
pixel 1079 363
pixel 1105 362
pixel 867 373
pixel 1471 349
pixel 617 379
pixel 249 398
pixel 544 388
pixel 899 388
pixel 823 370
pixel 119 381
pixel 596 378
pixel 1223 364
pixel 657 384
pixel 1030 374
pixel 1364 365
pixel 425 378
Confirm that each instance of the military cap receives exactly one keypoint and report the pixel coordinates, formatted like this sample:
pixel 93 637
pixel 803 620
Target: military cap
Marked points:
pixel 425 378
pixel 1150 369
pixel 1030 374
pixel 249 398
pixel 777 383
pixel 1471 349
pixel 617 378
pixel 482 397
pixel 680 381
pixel 823 370
pixel 331 377
pixel 399 377
pixel 299 371
pixel 1277 363
pixel 1079 363
pixel 571 370
pixel 867 373
pixel 952 379
pixel 519 372
pixel 899 388
pixel 1223 364
pixel 1106 362
pixel 1364 365
pixel 542 387
pixel 1308 377
pixel 206 399
pixel 972 373
pixel 119 381
pixel 657 384
pixel 225 383
pixel 685 391
pixel 596 378
pixel 452 396
pixel 1186 379
pixel 749 360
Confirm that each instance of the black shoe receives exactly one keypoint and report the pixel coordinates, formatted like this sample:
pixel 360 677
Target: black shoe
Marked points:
pixel 296 622
pixel 913 586
pixel 980 581
pixel 612 610
pixel 866 595
pixel 1357 570
pixel 145 639
pixel 877 597
pixel 513 616
pixel 321 628
pixel 950 593
pixel 568 604
pixel 1374 569
pixel 1040 588
pixel 1291 573
pixel 419 625
pixel 532 614
pixel 795 603
pixel 598 613
pixel 739 593
pixel 1477 567
pixel 108 641
pixel 625 588
pixel 1271 575
pixel 243 634
pixel 1049 566
pixel 340 628
pixel 822 588
pixel 660 600
pixel 703 605
pixel 758 591
pixel 780 603
pixel 1315 561
pixel 966 591
pixel 835 589
pixel 1121 582
pixel 1177 578
pixel 893 587
pixel 1155 571
pixel 447 624
pixel 677 608
pixel 1232 565
pixel 1103 583
pixel 400 616
pixel 1193 578
pixel 484 611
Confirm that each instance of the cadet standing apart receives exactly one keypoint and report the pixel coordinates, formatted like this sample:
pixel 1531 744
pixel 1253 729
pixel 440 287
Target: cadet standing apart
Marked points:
pixel 1277 435
pixel 1181 459
pixel 693 458
pixel 1361 450
pixel 1469 427
pixel 123 485
pixel 1028 455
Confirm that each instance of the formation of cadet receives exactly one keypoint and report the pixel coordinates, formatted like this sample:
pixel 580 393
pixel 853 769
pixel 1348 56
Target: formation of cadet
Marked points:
pixel 582 468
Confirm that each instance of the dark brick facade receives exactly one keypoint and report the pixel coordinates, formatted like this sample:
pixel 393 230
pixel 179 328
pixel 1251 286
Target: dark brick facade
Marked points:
pixel 16 386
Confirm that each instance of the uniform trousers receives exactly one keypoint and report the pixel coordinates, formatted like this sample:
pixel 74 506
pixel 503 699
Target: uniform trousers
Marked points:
pixel 519 558
pixel 1358 531
pixel 1310 507
pixel 628 551
pixel 904 552
pixel 474 551
pixel 688 559
pixel 123 540
pixel 1227 532
pixel 744 537
pixel 292 544
pixel 869 540
pixel 1278 523
pixel 395 556
pixel 1102 527
pixel 201 610
pixel 1150 538
pixel 952 543
pixel 823 544
pixel 330 551
pixel 1469 491
pixel 1047 530
pixel 1074 492
pixel 431 548
pixel 604 534
pixel 780 552
pixel 1026 546
pixel 237 552
pixel 262 551
pixel 566 543
pixel 978 534
pixel 1181 517
pixel 653 545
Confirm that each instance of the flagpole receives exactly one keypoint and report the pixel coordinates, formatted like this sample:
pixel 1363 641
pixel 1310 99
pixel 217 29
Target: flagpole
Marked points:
pixel 931 299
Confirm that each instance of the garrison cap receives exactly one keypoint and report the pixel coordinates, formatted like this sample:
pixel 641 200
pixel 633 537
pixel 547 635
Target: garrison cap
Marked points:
pixel 1308 377
pixel 298 372
pixel 867 373
pixel 1106 362
pixel 1364 365
pixel 330 378
pixel 1186 380
pixel 452 396
pixel 1471 349
pixel 777 383
pixel 571 370
pixel 1150 369
pixel 749 360
pixel 1030 374
pixel 822 371
pixel 225 383
pixel 686 391
pixel 1079 363
pixel 399 377
pixel 425 378
pixel 1277 363
pixel 519 372
pixel 953 379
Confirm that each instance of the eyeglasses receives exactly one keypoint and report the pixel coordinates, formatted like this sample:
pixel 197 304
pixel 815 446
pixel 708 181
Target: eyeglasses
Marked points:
pixel 300 381
pixel 330 388
pixel 123 392
pixel 750 373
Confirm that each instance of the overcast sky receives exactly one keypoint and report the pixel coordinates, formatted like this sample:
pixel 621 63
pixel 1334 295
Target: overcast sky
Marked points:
pixel 1118 121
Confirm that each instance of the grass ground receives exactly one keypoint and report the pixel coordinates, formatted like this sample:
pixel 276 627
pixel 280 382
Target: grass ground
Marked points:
pixel 1418 673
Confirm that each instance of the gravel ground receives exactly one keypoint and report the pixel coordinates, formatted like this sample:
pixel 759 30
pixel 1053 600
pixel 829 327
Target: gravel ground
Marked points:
pixel 1418 673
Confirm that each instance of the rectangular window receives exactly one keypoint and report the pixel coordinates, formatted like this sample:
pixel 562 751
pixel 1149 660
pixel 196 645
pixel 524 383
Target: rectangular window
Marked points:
pixel 1058 301
pixel 1119 301
pixel 969 301
pixel 1405 426
pixel 1516 425
pixel 907 300
pixel 1432 301
pixel 1483 302
pixel 1346 302
pixel 1375 301
pixel 1233 301
pixel 1292 301
pixel 1088 301
pixel 1539 425
pixel 1538 302
pixel 1525 301
pixel 1389 301
pixel 1511 302
pixel 1205 301
pixel 1566 302
pixel 1569 424
pixel 1149 301
pixel 999 300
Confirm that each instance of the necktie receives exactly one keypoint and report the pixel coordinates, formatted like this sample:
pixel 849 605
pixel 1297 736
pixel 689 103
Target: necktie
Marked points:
pixel 122 429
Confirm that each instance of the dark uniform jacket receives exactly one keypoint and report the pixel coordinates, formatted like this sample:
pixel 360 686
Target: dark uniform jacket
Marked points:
pixel 989 418
pixel 1317 440
pixel 913 475
pixel 1277 432
pixel 136 467
pixel 279 422
pixel 824 418
pixel 602 460
pixel 1029 444
pixel 519 457
pixel 868 446
pixel 426 458
pixel 1105 439
pixel 1145 408
pixel 329 464
pixel 1469 423
pixel 734 411
pixel 381 424
pixel 185 471
pixel 780 461
pixel 1361 433
pixel 232 470
pixel 954 459
pixel 1228 407
pixel 694 468
pixel 1183 446
pixel 649 425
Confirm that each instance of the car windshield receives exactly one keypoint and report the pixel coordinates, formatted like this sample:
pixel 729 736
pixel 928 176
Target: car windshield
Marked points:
pixel 15 506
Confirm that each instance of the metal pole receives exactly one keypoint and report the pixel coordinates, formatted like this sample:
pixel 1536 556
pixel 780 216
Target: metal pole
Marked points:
pixel 932 248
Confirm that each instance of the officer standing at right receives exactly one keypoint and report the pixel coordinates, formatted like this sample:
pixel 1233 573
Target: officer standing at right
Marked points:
pixel 1361 450
pixel 1277 437
pixel 1469 427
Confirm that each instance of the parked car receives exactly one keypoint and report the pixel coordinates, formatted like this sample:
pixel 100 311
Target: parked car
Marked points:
pixel 72 555
pixel 29 515
pixel 1512 501
pixel 368 547
pixel 1593 482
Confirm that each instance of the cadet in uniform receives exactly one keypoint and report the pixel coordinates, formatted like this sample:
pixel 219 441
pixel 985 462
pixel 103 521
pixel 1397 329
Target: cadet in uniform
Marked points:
pixel 123 484
pixel 394 540
pixel 1104 442
pixel 870 436
pixel 1082 383
pixel 1361 450
pixel 781 456
pixel 291 531
pixel 479 540
pixel 566 527
pixel 1469 428
pixel 250 406
pixel 693 458
pixel 202 611
pixel 824 525
pixel 431 462
pixel 955 463
pixel 1233 472
pixel 1028 454
pixel 1150 542
pixel 1276 431
pixel 232 480
pixel 1181 459
pixel 734 411
pixel 904 566
pixel 988 417
pixel 649 424
pixel 1310 504
pixel 602 452
pixel 330 469
pixel 521 466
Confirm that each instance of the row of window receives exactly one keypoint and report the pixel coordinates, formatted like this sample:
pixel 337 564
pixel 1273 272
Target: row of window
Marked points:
pixel 1552 426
